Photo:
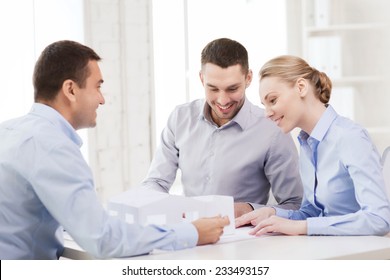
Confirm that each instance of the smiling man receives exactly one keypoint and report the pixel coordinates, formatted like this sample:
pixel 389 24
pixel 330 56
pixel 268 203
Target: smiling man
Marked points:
pixel 46 185
pixel 224 145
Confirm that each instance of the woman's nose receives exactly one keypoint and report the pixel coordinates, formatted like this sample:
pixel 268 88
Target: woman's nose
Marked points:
pixel 268 112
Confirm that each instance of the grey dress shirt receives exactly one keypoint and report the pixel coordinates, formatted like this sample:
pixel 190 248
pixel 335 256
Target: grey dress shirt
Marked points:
pixel 245 158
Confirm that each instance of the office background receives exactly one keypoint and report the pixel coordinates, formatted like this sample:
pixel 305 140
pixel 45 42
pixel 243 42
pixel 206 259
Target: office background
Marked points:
pixel 151 53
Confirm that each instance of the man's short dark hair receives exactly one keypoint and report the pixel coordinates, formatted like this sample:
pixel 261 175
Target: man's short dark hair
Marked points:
pixel 58 62
pixel 225 52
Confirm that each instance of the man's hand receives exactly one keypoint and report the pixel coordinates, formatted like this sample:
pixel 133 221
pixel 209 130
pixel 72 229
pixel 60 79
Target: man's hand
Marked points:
pixel 210 229
pixel 241 208
pixel 255 216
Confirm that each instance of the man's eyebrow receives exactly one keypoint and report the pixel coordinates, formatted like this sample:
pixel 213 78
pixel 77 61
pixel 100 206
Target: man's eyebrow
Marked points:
pixel 234 85
pixel 210 85
pixel 230 86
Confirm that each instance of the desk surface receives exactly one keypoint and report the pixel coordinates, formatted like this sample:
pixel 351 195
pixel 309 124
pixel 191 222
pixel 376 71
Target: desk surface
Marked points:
pixel 277 247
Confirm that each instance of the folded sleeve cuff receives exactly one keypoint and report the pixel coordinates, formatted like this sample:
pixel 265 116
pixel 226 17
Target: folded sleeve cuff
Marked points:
pixel 186 235
pixel 284 213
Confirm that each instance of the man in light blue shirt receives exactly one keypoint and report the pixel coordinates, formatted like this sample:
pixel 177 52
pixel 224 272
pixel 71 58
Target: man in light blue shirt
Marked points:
pixel 45 184
pixel 224 144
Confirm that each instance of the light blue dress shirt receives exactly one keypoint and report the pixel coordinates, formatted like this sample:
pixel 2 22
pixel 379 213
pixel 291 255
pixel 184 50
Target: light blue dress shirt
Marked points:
pixel 245 158
pixel 344 189
pixel 45 183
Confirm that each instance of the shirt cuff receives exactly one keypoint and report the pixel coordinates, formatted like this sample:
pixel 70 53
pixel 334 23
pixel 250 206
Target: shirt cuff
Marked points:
pixel 322 226
pixel 186 235
pixel 284 213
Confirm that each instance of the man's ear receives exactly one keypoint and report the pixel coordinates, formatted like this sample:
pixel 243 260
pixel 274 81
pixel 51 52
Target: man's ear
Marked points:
pixel 302 87
pixel 249 77
pixel 68 89
pixel 201 76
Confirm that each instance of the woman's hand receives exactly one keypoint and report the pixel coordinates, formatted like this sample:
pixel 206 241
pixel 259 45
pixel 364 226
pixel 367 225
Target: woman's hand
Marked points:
pixel 280 225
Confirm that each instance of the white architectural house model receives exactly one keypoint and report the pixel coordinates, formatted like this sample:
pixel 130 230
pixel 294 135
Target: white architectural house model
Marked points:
pixel 151 207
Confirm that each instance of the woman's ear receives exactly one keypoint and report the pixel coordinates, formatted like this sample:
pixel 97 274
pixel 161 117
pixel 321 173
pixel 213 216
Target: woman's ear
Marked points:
pixel 68 89
pixel 302 87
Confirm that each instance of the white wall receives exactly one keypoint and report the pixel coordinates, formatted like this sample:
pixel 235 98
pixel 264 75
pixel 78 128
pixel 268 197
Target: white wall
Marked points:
pixel 120 145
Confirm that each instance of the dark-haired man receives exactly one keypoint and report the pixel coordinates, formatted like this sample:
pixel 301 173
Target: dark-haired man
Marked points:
pixel 45 182
pixel 224 144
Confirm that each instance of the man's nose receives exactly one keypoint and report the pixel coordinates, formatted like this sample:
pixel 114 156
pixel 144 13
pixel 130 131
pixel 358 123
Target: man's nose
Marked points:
pixel 102 100
pixel 223 98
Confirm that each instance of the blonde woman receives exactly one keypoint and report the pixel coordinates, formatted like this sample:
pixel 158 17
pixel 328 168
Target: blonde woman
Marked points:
pixel 344 192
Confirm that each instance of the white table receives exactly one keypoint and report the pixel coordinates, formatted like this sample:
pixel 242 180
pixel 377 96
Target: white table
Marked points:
pixel 277 247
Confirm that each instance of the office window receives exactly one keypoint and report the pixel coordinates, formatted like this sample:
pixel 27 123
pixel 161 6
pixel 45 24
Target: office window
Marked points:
pixel 24 33
pixel 183 28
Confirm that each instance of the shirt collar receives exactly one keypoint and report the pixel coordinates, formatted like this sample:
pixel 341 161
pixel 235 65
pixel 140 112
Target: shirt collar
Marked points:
pixel 322 126
pixel 240 118
pixel 56 119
